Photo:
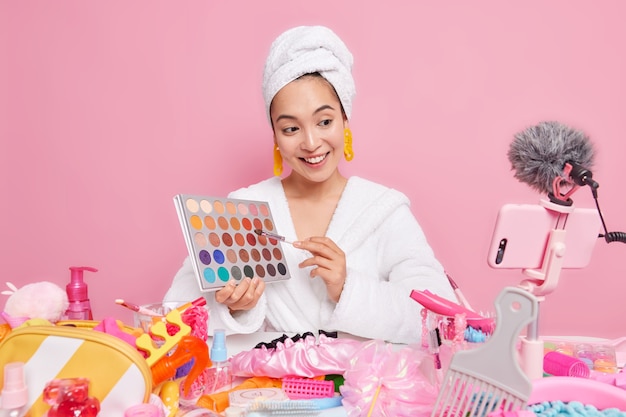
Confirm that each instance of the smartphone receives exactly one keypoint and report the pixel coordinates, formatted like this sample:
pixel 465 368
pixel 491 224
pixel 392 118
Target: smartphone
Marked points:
pixel 521 234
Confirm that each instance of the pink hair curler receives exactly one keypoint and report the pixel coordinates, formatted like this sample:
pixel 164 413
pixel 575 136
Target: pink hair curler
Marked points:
pixel 559 364
pixel 301 388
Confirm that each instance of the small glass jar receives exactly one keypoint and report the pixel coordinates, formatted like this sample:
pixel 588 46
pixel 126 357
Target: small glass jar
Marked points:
pixel 604 359
pixel 584 352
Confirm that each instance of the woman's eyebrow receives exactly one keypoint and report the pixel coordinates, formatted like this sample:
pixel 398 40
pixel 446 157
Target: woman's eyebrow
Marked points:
pixel 285 116
pixel 324 107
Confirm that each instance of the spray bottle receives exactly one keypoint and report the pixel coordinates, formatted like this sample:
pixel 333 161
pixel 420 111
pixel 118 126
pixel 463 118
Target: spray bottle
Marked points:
pixel 79 307
pixel 14 392
pixel 219 375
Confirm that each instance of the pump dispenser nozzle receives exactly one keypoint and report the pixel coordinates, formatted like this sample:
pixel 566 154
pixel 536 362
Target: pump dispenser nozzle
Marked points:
pixel 79 307
pixel 219 375
pixel 218 348
pixel 14 392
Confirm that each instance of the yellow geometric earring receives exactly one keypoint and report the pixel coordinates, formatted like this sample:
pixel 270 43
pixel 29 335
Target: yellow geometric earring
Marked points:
pixel 278 162
pixel 348 153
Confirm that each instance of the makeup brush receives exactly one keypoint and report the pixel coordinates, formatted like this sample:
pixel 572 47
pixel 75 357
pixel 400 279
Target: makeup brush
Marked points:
pixel 136 308
pixel 271 235
pixel 459 295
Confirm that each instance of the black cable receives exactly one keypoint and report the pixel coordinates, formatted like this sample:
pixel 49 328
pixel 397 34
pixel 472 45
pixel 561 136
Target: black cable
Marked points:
pixel 608 236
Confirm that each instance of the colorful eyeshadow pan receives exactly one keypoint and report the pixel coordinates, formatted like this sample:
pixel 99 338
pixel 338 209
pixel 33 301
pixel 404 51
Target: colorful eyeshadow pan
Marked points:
pixel 219 233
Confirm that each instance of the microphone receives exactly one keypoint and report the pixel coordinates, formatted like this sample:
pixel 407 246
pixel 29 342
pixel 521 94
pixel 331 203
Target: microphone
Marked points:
pixel 582 176
pixel 551 155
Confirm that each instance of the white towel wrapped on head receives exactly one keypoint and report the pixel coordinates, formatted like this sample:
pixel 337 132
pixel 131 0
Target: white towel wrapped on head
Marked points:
pixel 304 50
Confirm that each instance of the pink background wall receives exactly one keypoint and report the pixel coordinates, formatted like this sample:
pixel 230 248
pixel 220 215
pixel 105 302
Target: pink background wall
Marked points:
pixel 109 109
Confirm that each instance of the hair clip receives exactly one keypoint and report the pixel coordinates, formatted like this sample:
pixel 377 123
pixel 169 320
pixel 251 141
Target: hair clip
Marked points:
pixel 272 344
pixel 332 335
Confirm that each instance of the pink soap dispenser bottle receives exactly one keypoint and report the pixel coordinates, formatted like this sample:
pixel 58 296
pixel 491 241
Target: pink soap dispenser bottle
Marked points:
pixel 79 307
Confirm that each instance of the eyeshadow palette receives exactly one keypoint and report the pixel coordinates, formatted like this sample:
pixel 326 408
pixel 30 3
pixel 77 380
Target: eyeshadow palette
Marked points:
pixel 222 243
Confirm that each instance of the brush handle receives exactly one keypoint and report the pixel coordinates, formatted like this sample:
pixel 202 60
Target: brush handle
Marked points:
pixel 445 307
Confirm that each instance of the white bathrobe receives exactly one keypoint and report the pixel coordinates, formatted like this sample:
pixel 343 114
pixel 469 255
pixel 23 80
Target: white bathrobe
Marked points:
pixel 387 256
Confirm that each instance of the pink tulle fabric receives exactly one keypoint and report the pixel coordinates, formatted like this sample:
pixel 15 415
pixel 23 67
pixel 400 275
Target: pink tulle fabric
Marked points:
pixel 386 382
pixel 307 357
pixel 197 318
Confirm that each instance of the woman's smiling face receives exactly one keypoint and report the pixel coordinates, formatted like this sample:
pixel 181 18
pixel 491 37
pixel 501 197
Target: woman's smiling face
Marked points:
pixel 309 127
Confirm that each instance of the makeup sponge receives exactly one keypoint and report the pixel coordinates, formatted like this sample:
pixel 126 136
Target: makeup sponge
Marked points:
pixel 39 300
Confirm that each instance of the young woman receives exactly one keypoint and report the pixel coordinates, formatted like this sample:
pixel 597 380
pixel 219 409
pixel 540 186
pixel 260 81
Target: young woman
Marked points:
pixel 358 250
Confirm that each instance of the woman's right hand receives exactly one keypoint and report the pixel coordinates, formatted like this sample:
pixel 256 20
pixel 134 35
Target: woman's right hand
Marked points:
pixel 242 296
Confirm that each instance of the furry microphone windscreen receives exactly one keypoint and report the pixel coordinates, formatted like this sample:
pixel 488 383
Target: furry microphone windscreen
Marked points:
pixel 539 153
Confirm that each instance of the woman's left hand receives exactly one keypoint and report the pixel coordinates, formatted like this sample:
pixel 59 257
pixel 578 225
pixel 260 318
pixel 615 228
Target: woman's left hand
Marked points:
pixel 329 262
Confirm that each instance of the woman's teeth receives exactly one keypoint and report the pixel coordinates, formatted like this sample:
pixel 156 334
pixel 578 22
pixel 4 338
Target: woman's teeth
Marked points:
pixel 315 160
